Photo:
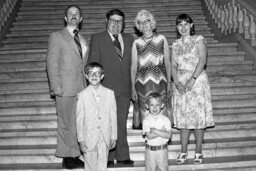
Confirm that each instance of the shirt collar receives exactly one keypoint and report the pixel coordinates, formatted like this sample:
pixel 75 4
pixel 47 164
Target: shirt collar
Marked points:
pixel 71 29
pixel 111 35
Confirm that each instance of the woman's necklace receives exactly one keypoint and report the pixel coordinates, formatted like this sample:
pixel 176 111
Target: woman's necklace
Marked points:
pixel 148 39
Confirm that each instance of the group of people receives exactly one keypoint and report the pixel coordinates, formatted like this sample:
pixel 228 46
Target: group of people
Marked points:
pixel 94 84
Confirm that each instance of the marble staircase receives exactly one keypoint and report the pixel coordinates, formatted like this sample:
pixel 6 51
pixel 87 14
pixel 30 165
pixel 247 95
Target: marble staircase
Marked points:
pixel 28 116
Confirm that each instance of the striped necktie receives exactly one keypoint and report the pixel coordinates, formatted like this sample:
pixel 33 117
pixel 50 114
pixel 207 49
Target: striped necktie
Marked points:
pixel 76 38
pixel 118 46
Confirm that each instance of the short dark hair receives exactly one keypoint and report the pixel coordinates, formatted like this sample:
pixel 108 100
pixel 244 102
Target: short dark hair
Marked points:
pixel 70 6
pixel 93 65
pixel 115 12
pixel 188 19
pixel 154 95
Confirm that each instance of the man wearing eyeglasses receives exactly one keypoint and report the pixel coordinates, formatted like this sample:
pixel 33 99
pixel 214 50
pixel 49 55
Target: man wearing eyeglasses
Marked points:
pixel 112 49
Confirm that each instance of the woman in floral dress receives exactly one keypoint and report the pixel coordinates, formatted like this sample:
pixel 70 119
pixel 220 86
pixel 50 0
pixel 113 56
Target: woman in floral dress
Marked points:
pixel 192 108
pixel 151 67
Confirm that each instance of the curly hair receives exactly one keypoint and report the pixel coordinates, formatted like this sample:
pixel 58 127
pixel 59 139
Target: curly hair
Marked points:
pixel 143 15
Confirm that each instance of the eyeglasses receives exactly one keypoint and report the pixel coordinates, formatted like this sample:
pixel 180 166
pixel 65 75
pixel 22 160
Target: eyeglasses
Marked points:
pixel 144 22
pixel 96 74
pixel 113 21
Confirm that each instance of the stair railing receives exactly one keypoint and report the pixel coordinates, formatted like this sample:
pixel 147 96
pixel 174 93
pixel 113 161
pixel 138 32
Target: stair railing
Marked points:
pixel 234 17
pixel 6 9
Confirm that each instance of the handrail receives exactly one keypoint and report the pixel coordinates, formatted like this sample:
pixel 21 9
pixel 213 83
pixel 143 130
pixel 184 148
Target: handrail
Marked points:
pixel 6 9
pixel 236 17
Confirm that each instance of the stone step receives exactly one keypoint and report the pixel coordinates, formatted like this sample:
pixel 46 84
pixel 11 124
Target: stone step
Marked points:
pixel 17 101
pixel 233 90
pixel 34 31
pixel 25 85
pixel 42 83
pixel 44 39
pixel 25 60
pixel 230 105
pixel 218 117
pixel 212 164
pixel 129 21
pixel 229 67
pixel 231 79
pixel 211 66
pixel 129 10
pixel 232 96
pixel 22 75
pixel 44 44
pixel 139 149
pixel 25 97
pixel 41 103
pixel 48 121
pixel 245 92
pixel 103 4
pixel 12 68
pixel 41 56
pixel 48 135
pixel 100 13
pixel 213 47
pixel 24 91
pixel 162 21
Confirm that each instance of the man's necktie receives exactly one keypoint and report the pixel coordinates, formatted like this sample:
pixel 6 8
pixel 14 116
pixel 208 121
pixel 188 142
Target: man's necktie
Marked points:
pixel 76 38
pixel 118 46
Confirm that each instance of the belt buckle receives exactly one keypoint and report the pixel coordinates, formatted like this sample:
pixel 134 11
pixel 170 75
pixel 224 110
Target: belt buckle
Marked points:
pixel 155 148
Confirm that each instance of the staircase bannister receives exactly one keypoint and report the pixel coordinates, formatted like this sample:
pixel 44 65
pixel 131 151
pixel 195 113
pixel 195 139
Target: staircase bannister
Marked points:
pixel 239 27
pixel 230 15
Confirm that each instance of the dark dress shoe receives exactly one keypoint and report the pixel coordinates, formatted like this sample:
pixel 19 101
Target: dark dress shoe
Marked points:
pixel 79 163
pixel 125 163
pixel 139 127
pixel 110 164
pixel 68 163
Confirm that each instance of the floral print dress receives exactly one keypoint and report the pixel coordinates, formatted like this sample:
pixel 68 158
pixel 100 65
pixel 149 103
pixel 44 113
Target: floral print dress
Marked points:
pixel 192 110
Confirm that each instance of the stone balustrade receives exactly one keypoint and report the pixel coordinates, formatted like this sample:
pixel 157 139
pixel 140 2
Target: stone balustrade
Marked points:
pixel 230 17
pixel 6 9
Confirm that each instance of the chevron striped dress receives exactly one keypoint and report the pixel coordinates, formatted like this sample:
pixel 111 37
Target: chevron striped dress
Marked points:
pixel 151 72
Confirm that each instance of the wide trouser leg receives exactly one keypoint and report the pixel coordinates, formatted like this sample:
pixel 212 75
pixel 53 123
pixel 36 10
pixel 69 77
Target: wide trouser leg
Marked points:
pixel 67 144
pixel 121 152
pixel 156 159
pixel 96 160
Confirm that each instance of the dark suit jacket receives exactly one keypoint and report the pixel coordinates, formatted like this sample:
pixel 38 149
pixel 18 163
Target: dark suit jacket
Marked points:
pixel 64 64
pixel 117 73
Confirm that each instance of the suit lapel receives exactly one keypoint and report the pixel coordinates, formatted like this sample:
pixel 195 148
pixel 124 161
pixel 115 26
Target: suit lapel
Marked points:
pixel 103 99
pixel 102 96
pixel 71 40
pixel 93 100
pixel 108 42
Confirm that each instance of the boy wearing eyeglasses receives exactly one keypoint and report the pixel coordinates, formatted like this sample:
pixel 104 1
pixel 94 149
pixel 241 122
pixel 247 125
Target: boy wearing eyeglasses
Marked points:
pixel 96 120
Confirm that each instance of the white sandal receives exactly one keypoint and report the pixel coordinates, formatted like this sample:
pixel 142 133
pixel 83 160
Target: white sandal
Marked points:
pixel 198 158
pixel 182 158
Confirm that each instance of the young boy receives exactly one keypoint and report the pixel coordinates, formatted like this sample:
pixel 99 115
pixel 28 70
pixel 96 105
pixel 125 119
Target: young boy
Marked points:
pixel 96 120
pixel 157 128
